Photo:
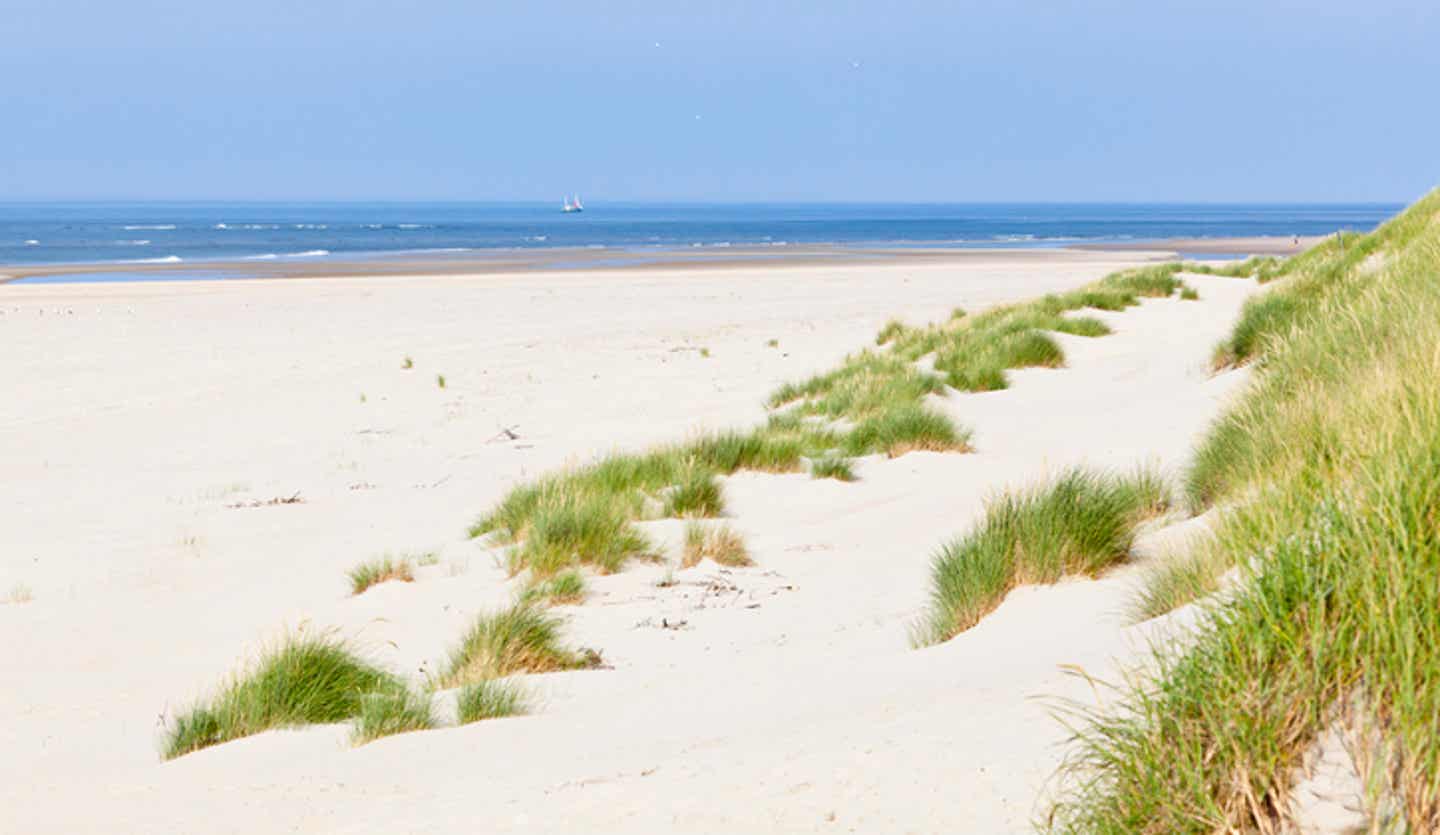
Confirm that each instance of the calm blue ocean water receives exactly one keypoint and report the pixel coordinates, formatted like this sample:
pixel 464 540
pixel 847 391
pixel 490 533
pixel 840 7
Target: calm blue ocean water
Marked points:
pixel 200 232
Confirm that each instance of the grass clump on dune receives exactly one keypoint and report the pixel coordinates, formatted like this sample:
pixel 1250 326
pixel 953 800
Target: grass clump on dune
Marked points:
pixel 519 639
pixel 720 544
pixel 832 466
pixel 697 494
pixel 1081 523
pixel 1177 580
pixel 491 699
pixel 306 680
pixel 381 570
pixel 566 530
pixel 899 431
pixel 892 329
pixel 585 516
pixel 392 711
pixel 565 587
pixel 873 403
pixel 1330 467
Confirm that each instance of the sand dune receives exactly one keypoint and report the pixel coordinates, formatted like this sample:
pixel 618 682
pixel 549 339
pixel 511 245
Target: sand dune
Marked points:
pixel 141 420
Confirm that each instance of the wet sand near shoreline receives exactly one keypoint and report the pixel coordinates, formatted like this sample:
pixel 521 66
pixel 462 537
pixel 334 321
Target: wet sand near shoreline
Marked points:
pixel 507 262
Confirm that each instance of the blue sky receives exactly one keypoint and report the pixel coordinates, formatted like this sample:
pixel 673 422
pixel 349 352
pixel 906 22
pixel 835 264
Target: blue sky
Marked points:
pixel 905 101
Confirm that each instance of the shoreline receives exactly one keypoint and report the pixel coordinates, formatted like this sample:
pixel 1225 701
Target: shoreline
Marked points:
pixel 575 259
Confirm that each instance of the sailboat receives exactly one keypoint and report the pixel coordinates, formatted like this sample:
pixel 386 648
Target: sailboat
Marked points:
pixel 573 206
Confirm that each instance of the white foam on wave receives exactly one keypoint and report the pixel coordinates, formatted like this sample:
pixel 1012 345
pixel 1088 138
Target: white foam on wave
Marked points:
pixel 311 226
pixel 32 242
pixel 269 256
pixel 168 259
pixel 310 253
pixel 159 227
pixel 437 251
pixel 411 226
pixel 133 243
pixel 220 226
pixel 538 238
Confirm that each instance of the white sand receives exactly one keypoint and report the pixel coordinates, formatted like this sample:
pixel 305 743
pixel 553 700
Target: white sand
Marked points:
pixel 133 416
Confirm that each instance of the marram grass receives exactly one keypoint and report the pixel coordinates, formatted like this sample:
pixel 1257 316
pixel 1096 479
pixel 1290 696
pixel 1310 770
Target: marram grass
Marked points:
pixel 563 588
pixel 832 466
pixel 381 570
pixel 520 639
pixel 392 711
pixel 1329 467
pixel 721 544
pixel 1081 523
pixel 875 402
pixel 491 699
pixel 306 680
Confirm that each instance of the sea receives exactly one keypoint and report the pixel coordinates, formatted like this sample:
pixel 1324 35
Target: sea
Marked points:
pixel 198 234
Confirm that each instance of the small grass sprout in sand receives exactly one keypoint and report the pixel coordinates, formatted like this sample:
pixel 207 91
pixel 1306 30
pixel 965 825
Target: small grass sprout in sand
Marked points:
pixel 567 587
pixel 772 343
pixel 1081 523
pixel 395 710
pixel 1189 294
pixel 407 364
pixel 440 380
pixel 520 639
pixel 721 543
pixel 304 680
pixel 381 570
pixel 491 699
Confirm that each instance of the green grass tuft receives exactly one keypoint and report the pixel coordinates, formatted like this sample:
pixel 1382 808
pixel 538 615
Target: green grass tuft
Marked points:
pixel 564 588
pixel 519 639
pixel 1178 580
pixel 834 467
pixel 381 570
pixel 697 494
pixel 306 680
pixel 1190 294
pixel 390 712
pixel 720 544
pixel 1082 523
pixel 491 699
pixel 570 529
pixel 904 430
pixel 892 329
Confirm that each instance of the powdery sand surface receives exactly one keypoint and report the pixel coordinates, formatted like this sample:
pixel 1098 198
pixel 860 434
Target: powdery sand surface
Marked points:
pixel 135 416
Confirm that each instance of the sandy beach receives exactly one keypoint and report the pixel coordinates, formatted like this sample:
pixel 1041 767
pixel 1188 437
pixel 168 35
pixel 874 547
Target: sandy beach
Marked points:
pixel 146 429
